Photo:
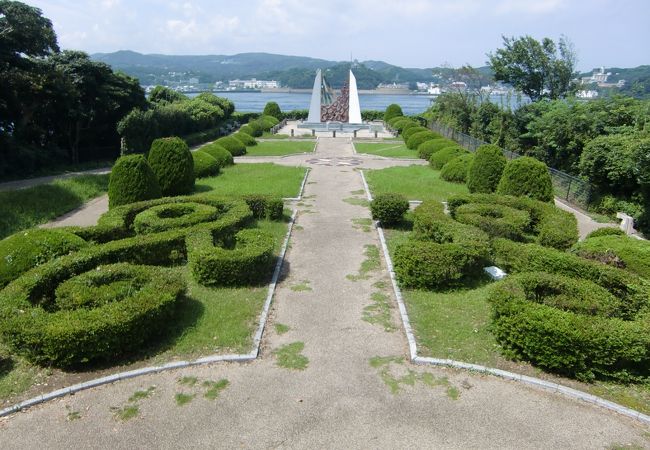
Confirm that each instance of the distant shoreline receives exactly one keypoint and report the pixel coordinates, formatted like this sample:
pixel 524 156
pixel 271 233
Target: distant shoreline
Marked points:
pixel 308 91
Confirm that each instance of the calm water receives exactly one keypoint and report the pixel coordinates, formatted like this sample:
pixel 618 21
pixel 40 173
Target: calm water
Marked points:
pixel 255 101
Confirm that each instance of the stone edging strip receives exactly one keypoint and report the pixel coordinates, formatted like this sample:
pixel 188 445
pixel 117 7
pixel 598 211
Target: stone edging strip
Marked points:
pixel 378 157
pixel 252 355
pixel 531 381
pixel 302 188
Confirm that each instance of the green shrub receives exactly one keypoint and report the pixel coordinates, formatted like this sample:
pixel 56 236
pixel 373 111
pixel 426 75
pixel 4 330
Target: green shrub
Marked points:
pixel 247 129
pixel 486 169
pixel 389 208
pixel 441 251
pixel 27 249
pixel 410 131
pixel 496 220
pixel 204 165
pixel 446 154
pixel 549 226
pixel 132 180
pixel 249 262
pixel 393 110
pixel 273 109
pixel 233 145
pixel 428 148
pixel 223 156
pixel 403 122
pixel 97 314
pixel 171 216
pixel 418 138
pixel 605 231
pixel 247 139
pixel 172 163
pixel 526 177
pixel 256 128
pixel 569 326
pixel 269 121
pixel 265 207
pixel 456 169
pixel 618 250
pixel 396 120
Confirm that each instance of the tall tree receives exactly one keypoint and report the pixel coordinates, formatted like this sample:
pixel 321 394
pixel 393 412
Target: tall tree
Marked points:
pixel 536 68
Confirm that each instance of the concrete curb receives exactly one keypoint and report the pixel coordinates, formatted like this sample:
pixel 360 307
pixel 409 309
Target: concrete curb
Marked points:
pixel 378 157
pixel 530 381
pixel 252 355
pixel 302 188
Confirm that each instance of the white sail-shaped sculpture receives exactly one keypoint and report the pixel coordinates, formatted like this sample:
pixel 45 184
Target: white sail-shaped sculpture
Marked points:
pixel 355 107
pixel 314 105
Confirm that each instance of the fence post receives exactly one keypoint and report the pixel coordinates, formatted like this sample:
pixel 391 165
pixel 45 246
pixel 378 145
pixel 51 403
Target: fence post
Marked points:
pixel 568 189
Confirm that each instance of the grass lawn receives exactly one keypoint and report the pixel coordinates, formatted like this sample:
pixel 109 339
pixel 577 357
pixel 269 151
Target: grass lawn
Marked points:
pixel 392 149
pixel 280 148
pixel 299 135
pixel 249 178
pixel 25 208
pixel 414 182
pixel 455 324
pixel 209 321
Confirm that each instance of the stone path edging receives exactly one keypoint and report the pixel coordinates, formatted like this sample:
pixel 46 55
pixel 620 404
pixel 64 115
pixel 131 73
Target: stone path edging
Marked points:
pixel 530 381
pixel 247 357
pixel 371 156
pixel 302 188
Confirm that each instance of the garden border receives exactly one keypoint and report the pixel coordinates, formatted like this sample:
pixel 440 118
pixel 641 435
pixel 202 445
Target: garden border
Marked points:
pixel 369 155
pixel 246 357
pixel 302 188
pixel 530 381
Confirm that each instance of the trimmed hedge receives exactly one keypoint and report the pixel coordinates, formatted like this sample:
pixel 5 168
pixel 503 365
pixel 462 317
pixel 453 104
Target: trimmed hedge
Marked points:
pixel 256 128
pixel 486 169
pixel 443 156
pixel 132 180
pixel 247 129
pixel 456 169
pixel 224 157
pixel 247 139
pixel 268 122
pixel 441 252
pixel 569 326
pixel 410 131
pixel 418 138
pixel 172 163
pixel 249 262
pixel 272 109
pixel 617 250
pixel 526 177
pixel 389 208
pixel 393 110
pixel 173 215
pixel 232 144
pixel 265 207
pixel 400 123
pixel 549 226
pixel 606 231
pixel 204 165
pixel 428 148
pixel 27 249
pixel 496 220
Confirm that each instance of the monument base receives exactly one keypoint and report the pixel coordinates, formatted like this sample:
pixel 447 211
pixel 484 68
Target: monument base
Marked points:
pixel 343 127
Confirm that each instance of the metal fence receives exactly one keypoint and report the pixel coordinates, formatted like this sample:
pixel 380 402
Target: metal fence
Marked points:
pixel 567 187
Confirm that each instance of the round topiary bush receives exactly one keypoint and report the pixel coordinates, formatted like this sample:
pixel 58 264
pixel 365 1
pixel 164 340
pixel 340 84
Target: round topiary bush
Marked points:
pixel 396 120
pixel 224 157
pixel 399 123
pixel 204 165
pixel 247 129
pixel 27 249
pixel 269 121
pixel 256 128
pixel 428 148
pixel 456 169
pixel 446 154
pixel 416 139
pixel 526 177
pixel 547 225
pixel 247 139
pixel 232 144
pixel 606 231
pixel 273 109
pixel 486 169
pixel 410 131
pixel 441 251
pixel 570 326
pixel 172 163
pixel 132 180
pixel 389 208
pixel 393 110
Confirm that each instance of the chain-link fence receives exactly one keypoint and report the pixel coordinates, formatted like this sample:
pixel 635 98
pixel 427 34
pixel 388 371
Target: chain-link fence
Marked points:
pixel 567 187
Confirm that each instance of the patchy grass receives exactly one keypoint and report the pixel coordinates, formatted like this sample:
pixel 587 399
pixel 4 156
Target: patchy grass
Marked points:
pixel 395 375
pixel 289 357
pixel 141 395
pixel 303 286
pixel 72 414
pixel 363 224
pixel 391 149
pixel 414 182
pixel 280 148
pixel 125 413
pixel 356 201
pixel 262 178
pixel 26 208
pixel 188 381
pixel 183 399
pixel 214 388
pixel 379 312
pixel 370 264
pixel 281 328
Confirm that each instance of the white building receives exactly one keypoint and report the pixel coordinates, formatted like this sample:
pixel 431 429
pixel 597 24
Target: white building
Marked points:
pixel 587 95
pixel 253 84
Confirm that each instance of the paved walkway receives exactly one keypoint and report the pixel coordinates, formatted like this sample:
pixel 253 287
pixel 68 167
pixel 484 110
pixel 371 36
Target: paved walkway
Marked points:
pixel 340 400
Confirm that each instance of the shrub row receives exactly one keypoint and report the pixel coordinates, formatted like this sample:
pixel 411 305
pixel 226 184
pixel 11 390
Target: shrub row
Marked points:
pixel 232 144
pixel 205 165
pixel 265 207
pixel 224 157
pixel 456 169
pixel 441 157
pixel 389 208
pixel 247 140
pixel 417 139
pixel 617 249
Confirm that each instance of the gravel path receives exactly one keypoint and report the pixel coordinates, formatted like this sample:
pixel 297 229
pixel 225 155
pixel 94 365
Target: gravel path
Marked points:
pixel 339 400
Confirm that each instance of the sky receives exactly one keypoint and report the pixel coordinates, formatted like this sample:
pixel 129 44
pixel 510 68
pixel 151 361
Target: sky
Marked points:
pixel 408 33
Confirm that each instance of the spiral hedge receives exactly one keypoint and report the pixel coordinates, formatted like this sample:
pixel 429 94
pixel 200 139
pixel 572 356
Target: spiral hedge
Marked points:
pixel 506 216
pixel 111 290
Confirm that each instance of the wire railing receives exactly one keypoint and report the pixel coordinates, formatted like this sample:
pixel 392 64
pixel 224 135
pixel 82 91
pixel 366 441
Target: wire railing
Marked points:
pixel 567 187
